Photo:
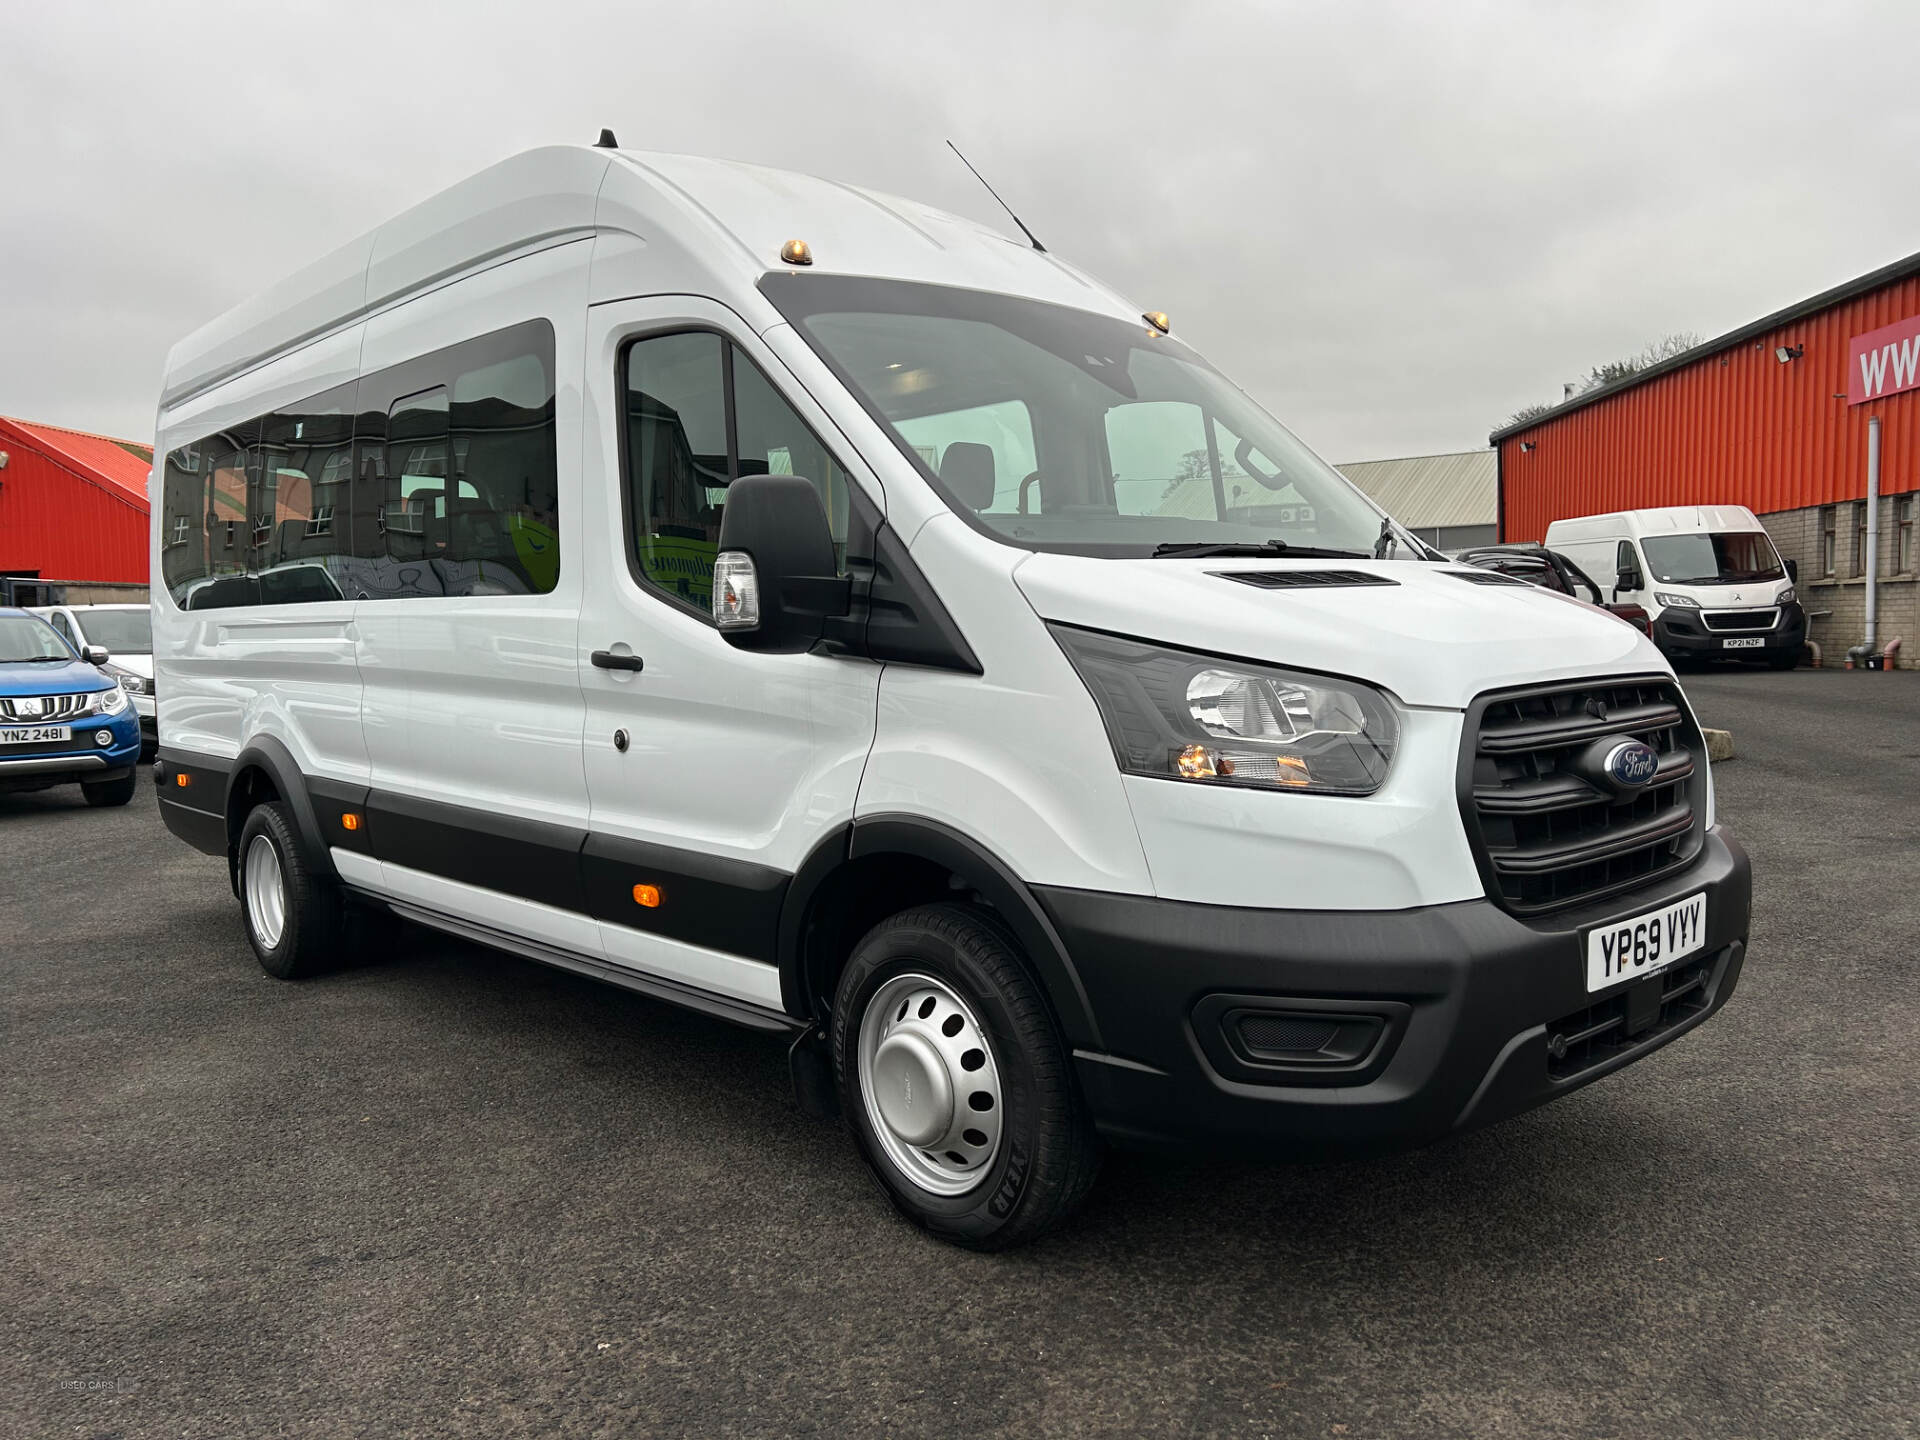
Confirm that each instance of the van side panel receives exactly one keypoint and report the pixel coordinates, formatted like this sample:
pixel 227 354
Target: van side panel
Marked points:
pixel 472 693
pixel 1016 759
pixel 226 675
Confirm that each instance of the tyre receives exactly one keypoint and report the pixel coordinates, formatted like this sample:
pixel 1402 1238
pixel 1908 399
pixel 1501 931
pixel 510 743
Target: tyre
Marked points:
pixel 294 917
pixel 110 792
pixel 955 1081
pixel 1788 661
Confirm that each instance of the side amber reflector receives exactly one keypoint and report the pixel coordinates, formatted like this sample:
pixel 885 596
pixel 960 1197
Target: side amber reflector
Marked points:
pixel 349 821
pixel 647 895
pixel 183 780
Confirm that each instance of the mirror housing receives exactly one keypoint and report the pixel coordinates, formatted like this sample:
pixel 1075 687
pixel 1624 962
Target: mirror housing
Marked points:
pixel 94 654
pixel 1626 580
pixel 1793 571
pixel 776 545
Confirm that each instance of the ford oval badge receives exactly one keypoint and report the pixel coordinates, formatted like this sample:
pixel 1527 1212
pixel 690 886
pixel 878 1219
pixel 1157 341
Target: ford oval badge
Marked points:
pixel 1630 764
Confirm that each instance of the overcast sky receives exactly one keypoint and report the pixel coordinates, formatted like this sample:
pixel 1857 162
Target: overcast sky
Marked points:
pixel 1393 224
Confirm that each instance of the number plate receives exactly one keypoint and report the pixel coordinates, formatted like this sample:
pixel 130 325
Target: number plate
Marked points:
pixel 1753 644
pixel 1646 944
pixel 36 734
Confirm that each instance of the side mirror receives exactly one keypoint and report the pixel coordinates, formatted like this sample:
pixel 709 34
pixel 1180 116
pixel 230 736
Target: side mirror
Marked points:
pixel 1793 571
pixel 774 580
pixel 1626 580
pixel 94 654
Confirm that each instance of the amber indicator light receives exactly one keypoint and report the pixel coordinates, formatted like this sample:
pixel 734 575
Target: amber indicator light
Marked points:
pixel 797 252
pixel 349 821
pixel 183 781
pixel 647 895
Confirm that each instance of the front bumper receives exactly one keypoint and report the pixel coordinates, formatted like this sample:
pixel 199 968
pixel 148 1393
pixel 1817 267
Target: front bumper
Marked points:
pixel 1683 632
pixel 84 760
pixel 1468 999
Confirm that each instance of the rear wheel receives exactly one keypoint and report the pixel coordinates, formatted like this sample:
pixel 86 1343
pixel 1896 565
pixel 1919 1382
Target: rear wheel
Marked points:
pixel 294 917
pixel 955 1081
pixel 110 792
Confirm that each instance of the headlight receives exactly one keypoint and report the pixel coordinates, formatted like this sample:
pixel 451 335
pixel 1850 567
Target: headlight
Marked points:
pixel 1785 597
pixel 108 702
pixel 1185 716
pixel 1677 600
pixel 131 683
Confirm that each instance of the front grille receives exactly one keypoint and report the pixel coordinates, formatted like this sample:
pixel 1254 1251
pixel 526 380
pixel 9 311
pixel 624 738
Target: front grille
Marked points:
pixel 1302 579
pixel 50 708
pixel 1547 829
pixel 1596 1034
pixel 1739 619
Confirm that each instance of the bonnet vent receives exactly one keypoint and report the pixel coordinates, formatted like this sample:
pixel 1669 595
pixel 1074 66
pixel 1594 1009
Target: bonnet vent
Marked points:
pixel 1302 579
pixel 1487 577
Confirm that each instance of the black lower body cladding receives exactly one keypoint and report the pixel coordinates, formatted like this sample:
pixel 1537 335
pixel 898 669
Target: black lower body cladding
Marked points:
pixel 1436 1019
pixel 1684 634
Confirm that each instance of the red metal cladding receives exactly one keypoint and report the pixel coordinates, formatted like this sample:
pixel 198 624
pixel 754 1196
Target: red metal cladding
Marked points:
pixel 1736 427
pixel 61 519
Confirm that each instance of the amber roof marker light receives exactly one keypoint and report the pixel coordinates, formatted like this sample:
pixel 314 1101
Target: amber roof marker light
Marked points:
pixel 1158 319
pixel 797 252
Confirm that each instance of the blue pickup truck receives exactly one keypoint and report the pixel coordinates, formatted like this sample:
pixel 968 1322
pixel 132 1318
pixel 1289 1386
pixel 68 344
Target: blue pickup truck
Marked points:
pixel 63 721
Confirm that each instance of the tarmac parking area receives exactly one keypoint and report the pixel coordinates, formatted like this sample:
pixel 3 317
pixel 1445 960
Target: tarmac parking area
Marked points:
pixel 460 1193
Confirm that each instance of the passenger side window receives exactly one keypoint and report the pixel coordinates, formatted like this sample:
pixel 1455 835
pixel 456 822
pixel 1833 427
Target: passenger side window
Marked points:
pixel 984 454
pixel 1158 451
pixel 66 630
pixel 700 414
pixel 437 476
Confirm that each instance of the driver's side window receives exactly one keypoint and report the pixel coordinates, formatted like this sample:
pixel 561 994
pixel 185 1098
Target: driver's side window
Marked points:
pixel 65 628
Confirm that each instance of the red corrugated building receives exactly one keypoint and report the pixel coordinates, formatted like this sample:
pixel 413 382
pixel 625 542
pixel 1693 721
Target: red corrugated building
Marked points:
pixel 73 506
pixel 1773 416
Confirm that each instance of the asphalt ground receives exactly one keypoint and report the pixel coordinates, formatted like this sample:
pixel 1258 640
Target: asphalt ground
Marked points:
pixel 459 1193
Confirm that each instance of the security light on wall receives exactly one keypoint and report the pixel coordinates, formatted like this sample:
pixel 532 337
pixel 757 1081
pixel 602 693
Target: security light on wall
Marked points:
pixel 1784 353
pixel 1526 445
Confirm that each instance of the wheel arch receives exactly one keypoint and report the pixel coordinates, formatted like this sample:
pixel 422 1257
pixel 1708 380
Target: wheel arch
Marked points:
pixel 883 864
pixel 266 770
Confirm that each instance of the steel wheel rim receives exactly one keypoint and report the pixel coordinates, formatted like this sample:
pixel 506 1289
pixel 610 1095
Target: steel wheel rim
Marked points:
pixel 266 892
pixel 930 1084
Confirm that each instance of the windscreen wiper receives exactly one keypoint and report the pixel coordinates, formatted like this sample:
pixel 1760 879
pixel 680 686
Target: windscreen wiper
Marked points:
pixel 1199 549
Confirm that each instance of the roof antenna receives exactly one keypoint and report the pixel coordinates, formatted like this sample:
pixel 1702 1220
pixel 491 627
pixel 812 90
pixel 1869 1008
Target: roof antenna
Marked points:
pixel 606 141
pixel 996 195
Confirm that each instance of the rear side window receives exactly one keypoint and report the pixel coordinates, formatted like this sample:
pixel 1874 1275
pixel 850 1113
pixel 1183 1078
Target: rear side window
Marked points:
pixel 436 477
pixel 699 415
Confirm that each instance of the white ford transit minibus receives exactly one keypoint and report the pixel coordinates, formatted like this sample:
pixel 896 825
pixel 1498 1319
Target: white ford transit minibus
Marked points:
pixel 1707 575
pixel 823 612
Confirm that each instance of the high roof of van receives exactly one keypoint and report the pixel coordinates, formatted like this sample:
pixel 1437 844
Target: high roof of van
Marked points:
pixel 660 223
pixel 1670 520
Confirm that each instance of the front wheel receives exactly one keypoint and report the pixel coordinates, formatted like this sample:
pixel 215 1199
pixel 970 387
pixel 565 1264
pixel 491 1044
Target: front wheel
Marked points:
pixel 955 1081
pixel 293 916
pixel 109 792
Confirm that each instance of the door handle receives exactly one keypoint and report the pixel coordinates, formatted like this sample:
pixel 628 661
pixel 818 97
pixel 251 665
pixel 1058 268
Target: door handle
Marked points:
pixel 607 660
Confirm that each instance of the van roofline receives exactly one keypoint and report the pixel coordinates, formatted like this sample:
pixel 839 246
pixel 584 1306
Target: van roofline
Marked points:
pixel 715 226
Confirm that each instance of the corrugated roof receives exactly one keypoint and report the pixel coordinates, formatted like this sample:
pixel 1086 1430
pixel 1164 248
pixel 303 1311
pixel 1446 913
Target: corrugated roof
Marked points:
pixel 1800 310
pixel 119 462
pixel 1426 490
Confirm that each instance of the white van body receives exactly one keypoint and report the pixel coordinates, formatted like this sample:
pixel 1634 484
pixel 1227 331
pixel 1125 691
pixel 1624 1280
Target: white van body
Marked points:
pixel 1708 577
pixel 125 632
pixel 552 749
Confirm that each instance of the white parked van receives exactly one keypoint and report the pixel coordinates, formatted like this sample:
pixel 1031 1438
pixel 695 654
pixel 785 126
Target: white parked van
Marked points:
pixel 126 633
pixel 1707 575
pixel 823 612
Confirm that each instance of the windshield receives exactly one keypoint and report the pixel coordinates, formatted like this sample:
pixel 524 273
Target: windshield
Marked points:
pixel 28 640
pixel 123 632
pixel 1059 429
pixel 1730 558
